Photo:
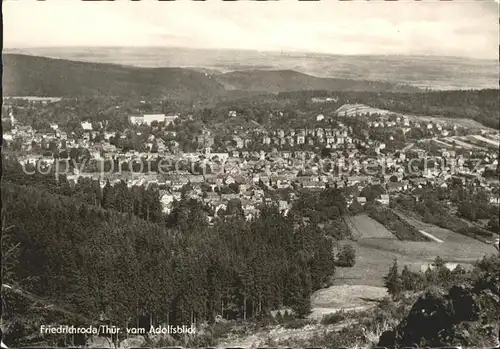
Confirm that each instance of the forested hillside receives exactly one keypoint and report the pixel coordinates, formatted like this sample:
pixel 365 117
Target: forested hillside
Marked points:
pixel 93 261
pixel 275 81
pixel 39 76
pixel 479 105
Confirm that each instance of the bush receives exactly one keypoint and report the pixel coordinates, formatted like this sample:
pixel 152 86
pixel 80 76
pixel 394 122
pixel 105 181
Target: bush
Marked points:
pixel 355 208
pixel 346 256
pixel 334 318
pixel 297 323
pixel 475 232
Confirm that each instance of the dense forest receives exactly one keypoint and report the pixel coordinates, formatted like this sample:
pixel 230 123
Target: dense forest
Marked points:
pixel 479 105
pixel 274 81
pixel 94 261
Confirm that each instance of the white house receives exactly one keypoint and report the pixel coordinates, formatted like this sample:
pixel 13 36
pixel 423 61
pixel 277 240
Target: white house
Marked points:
pixel 166 201
pixel 136 120
pixel 170 119
pixel 87 126
pixel 495 200
pixel 384 199
pixel 149 118
pixel 361 200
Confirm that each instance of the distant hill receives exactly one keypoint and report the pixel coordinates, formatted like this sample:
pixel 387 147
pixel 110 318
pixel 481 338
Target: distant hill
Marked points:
pixel 275 81
pixel 40 76
pixel 433 72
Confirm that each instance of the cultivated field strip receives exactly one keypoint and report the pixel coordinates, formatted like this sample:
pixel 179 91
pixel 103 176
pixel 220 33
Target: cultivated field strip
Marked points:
pixel 375 251
pixel 362 226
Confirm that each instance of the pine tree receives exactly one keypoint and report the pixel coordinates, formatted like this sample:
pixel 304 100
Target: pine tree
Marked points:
pixel 411 281
pixel 392 281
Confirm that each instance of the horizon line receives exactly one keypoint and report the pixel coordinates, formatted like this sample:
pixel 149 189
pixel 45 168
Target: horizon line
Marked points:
pixel 283 51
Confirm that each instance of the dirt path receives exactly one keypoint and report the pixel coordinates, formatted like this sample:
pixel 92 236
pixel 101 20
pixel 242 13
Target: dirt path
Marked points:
pixel 430 236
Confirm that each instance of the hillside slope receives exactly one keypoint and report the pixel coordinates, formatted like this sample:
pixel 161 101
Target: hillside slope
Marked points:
pixel 26 75
pixel 289 80
pixel 40 76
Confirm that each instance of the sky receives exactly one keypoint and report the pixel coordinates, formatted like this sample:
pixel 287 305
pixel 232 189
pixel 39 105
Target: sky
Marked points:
pixel 464 28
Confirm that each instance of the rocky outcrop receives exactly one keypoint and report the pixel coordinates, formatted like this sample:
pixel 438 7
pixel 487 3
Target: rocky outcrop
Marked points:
pixel 132 342
pixel 440 318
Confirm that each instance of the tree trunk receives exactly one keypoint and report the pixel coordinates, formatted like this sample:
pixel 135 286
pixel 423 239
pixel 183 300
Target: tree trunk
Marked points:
pixel 245 308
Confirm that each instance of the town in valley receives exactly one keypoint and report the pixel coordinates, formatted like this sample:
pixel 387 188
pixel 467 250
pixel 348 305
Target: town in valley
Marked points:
pixel 283 175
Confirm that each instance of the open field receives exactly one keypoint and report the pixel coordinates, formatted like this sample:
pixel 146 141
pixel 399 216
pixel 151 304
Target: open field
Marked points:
pixel 486 141
pixel 362 226
pixel 374 256
pixel 345 297
pixel 443 144
pixel 459 142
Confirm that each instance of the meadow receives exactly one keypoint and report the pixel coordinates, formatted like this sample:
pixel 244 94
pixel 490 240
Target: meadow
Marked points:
pixel 362 226
pixel 375 252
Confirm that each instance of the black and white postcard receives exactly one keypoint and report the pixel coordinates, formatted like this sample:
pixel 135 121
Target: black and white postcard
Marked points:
pixel 250 174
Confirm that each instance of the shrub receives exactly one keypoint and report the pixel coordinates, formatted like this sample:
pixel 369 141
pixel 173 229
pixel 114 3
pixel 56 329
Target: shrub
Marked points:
pixel 297 323
pixel 346 256
pixel 355 208
pixel 334 318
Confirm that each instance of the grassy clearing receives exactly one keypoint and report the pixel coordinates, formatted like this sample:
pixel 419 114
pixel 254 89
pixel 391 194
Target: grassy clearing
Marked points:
pixel 362 226
pixel 345 298
pixel 400 228
pixel 374 256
